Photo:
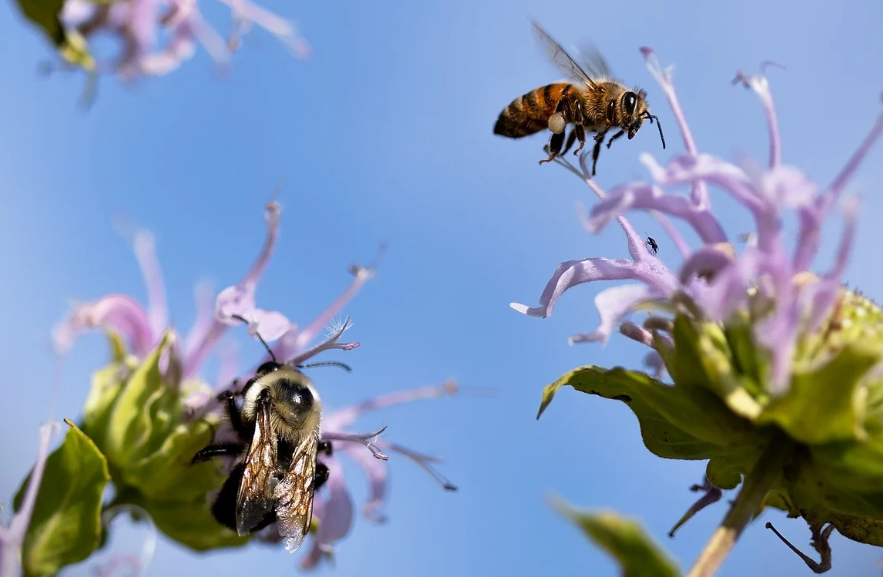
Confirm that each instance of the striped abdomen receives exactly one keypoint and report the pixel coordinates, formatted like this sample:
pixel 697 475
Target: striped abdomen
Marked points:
pixel 530 112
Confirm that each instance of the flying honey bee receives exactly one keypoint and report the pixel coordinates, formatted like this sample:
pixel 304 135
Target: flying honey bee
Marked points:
pixel 595 103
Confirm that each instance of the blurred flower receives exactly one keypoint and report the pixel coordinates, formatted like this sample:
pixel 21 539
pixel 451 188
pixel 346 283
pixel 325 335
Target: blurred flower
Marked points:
pixel 157 36
pixel 715 284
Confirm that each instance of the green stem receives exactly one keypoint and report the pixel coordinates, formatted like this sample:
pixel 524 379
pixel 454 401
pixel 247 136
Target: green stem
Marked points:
pixel 754 488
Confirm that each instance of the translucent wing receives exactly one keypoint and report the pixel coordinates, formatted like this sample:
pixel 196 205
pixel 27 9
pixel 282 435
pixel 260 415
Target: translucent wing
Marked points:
pixel 564 61
pixel 255 500
pixel 593 61
pixel 294 494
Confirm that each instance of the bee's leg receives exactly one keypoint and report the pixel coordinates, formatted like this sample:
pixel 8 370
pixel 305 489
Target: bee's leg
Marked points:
pixel 571 138
pixel 580 133
pixel 614 137
pixel 596 151
pixel 229 400
pixel 217 450
pixel 325 447
pixel 224 507
pixel 554 146
pixel 321 475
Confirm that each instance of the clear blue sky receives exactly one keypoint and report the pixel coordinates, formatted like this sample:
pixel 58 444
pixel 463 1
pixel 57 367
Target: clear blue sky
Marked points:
pixel 386 134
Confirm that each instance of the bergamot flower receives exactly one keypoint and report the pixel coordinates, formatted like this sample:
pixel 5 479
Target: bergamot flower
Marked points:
pixel 775 367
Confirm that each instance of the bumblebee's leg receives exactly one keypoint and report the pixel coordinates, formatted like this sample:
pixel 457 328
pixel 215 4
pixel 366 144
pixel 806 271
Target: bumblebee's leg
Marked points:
pixel 325 447
pixel 581 136
pixel 614 137
pixel 596 151
pixel 224 507
pixel 554 146
pixel 571 138
pixel 229 401
pixel 321 475
pixel 217 450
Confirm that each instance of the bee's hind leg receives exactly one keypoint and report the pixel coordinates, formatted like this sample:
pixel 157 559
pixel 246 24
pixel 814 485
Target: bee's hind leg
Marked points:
pixel 554 146
pixel 321 475
pixel 579 133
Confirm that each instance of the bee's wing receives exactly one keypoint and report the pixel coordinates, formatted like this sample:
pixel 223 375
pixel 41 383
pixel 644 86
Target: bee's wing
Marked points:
pixel 593 61
pixel 255 499
pixel 564 61
pixel 294 494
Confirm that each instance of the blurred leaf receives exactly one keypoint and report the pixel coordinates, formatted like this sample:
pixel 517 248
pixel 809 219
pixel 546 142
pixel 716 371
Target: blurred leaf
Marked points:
pixel 132 430
pixel 676 422
pixel 624 540
pixel 47 15
pixel 167 474
pixel 821 406
pixel 66 524
pixel 192 525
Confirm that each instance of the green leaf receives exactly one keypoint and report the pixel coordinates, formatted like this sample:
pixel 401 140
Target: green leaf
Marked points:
pixel 822 405
pixel 192 525
pixel 133 431
pixel 624 540
pixel 66 524
pixel 168 475
pixel 676 422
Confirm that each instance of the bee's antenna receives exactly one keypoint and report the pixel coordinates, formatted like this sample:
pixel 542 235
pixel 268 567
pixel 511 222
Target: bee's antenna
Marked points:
pixel 343 366
pixel 260 338
pixel 658 125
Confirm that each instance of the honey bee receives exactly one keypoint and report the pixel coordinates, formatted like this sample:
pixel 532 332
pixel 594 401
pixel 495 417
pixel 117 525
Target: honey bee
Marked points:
pixel 596 103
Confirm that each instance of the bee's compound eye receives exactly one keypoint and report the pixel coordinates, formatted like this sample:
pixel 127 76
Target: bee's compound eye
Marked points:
pixel 629 102
pixel 302 398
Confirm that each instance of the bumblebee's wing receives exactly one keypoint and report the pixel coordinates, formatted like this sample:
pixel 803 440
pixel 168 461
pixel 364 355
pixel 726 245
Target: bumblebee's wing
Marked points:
pixel 294 494
pixel 255 499
pixel 593 61
pixel 564 61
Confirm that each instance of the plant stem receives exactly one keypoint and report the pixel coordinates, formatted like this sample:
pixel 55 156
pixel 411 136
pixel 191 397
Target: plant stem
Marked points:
pixel 754 488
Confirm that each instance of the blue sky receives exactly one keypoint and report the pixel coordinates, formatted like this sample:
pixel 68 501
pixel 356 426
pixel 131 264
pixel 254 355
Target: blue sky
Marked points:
pixel 386 135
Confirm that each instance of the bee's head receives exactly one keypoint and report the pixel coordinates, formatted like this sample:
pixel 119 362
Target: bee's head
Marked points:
pixel 635 111
pixel 291 394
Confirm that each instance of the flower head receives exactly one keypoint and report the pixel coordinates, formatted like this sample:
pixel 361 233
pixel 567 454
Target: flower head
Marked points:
pixel 776 371
pixel 767 282
pixel 157 36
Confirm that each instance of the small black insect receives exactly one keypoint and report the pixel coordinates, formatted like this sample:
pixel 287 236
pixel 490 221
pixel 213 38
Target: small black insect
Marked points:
pixel 651 244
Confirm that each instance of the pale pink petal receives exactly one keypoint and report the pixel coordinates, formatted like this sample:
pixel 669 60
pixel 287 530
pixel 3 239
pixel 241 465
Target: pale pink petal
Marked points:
pixel 613 304
pixel 118 312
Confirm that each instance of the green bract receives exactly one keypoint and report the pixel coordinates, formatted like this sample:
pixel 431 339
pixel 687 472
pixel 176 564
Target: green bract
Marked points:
pixel 717 409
